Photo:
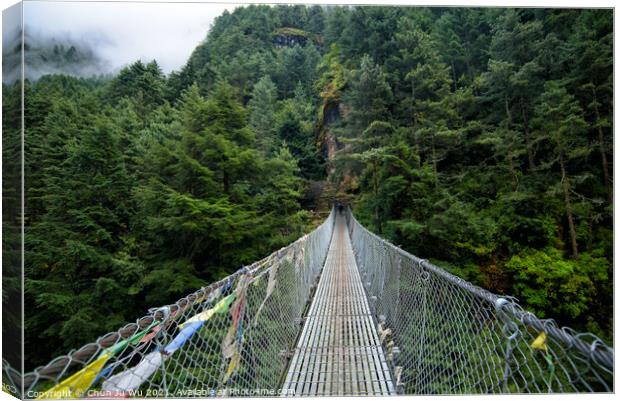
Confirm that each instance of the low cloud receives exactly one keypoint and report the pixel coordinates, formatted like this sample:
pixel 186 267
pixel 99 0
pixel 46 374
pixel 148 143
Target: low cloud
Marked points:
pixel 109 36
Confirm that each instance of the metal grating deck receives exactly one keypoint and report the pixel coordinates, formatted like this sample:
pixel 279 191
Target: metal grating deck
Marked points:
pixel 339 352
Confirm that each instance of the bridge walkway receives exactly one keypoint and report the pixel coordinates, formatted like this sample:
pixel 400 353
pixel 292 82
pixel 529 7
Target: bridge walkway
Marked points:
pixel 338 351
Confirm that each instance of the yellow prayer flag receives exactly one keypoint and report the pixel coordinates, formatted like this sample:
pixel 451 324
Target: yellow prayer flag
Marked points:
pixel 206 315
pixel 540 342
pixel 232 366
pixel 220 307
pixel 77 384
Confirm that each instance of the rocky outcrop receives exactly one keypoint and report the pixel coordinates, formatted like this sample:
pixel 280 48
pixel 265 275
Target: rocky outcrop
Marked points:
pixel 289 37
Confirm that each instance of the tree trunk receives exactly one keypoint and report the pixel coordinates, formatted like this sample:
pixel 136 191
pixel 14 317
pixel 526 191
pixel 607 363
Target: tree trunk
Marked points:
pixel 453 74
pixel 376 191
pixel 418 150
pixel 226 182
pixel 469 73
pixel 434 160
pixel 515 177
pixel 569 210
pixel 507 108
pixel 528 144
pixel 414 123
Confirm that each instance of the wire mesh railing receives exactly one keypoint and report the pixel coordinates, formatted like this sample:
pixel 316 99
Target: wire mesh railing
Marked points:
pixel 230 338
pixel 444 335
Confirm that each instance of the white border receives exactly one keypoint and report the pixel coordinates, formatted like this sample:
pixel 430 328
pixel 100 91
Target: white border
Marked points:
pixel 458 3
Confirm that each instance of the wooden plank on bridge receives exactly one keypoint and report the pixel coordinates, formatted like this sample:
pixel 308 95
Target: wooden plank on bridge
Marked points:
pixel 338 352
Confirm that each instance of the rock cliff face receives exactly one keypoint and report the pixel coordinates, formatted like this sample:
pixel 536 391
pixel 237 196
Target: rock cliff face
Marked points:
pixel 325 193
pixel 289 37
pixel 331 115
pixel 339 184
pixel 289 40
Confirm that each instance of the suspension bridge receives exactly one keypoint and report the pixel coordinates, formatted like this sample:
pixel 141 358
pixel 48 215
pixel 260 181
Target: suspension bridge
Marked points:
pixel 338 312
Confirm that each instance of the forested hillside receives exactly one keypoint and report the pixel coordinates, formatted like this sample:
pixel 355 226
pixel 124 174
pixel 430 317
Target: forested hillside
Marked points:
pixel 478 138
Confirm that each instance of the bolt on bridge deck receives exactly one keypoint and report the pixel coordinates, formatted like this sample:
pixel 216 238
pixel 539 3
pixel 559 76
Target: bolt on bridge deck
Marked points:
pixel 339 352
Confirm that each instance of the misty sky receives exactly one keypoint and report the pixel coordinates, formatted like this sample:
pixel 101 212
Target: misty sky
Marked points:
pixel 121 33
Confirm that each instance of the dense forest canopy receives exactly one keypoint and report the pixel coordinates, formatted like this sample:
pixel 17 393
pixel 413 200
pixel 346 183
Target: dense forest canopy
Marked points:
pixel 478 138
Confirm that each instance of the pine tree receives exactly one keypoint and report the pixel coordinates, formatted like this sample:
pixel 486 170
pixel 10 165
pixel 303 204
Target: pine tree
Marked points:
pixel 295 65
pixel 262 108
pixel 142 84
pixel 560 124
pixel 434 107
pixel 200 201
pixel 369 97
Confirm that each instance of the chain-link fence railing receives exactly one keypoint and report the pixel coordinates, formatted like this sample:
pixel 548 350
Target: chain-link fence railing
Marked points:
pixel 230 338
pixel 444 335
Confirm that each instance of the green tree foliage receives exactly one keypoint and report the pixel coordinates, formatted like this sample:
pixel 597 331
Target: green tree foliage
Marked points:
pixel 554 286
pixel 294 127
pixel 207 203
pixel 262 108
pixel 295 65
pixel 78 265
pixel 369 96
pixel 142 84
pixel 560 123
